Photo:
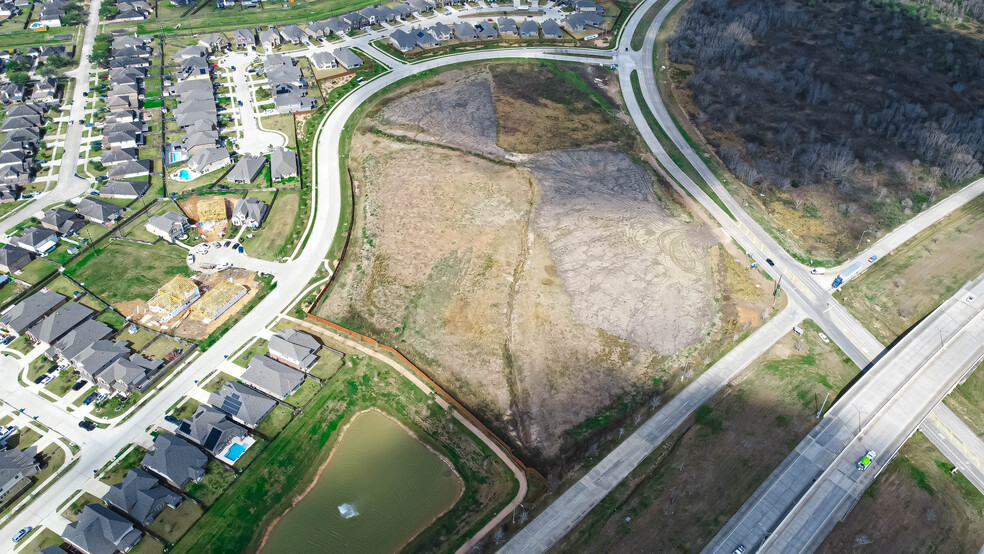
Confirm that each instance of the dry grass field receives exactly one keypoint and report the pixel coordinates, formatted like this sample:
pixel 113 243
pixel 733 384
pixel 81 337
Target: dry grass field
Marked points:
pixel 554 292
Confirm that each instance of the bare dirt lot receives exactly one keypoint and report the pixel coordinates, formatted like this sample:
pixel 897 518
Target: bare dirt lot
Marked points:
pixel 915 505
pixel 900 289
pixel 555 296
pixel 686 490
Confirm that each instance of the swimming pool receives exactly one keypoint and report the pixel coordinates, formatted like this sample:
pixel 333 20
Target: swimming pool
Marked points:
pixel 235 451
pixel 184 174
pixel 177 157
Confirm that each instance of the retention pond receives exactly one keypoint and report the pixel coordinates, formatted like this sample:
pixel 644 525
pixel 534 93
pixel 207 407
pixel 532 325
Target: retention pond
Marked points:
pixel 379 488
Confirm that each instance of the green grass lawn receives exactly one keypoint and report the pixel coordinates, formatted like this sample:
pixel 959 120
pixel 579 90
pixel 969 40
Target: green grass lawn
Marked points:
pixel 78 401
pixel 281 228
pixel 259 347
pixel 216 383
pixel 43 539
pixel 21 345
pixel 251 454
pixel 139 339
pixel 187 409
pixel 171 524
pixel 113 319
pixel 327 364
pixel 36 271
pixel 148 545
pixel 217 480
pixel 304 393
pixel 72 511
pixel 123 271
pixel 275 421
pixel 116 406
pixel 63 383
pixel 163 346
pixel 38 367
pixel 9 290
pixel 63 286
pixel 117 472
pixel 25 438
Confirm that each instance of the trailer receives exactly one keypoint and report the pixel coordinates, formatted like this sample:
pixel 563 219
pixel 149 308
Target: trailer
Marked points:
pixel 847 274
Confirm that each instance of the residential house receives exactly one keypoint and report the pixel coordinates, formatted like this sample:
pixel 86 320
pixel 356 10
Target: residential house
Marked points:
pixel 122 139
pixel 44 89
pixel 36 240
pixel 425 39
pixel 293 101
pixel 292 34
pixel 196 141
pixel 529 29
pixel 337 26
pixel 98 356
pixel 486 30
pixel 78 339
pixel 100 530
pixel 507 26
pixel 272 377
pixel 175 459
pixel 141 496
pixel 125 376
pixel 442 32
pixel 193 51
pixel 324 60
pixel 577 22
pixel 194 68
pixel 402 41
pixel 214 42
pixel 283 164
pixel 133 168
pixel 218 299
pixel 211 429
pixel 62 221
pixel 355 20
pixel 29 311
pixel 369 16
pixel 270 38
pixel 50 16
pixel 118 156
pixel 8 10
pixel 16 470
pixel 29 109
pixel 294 348
pixel 10 176
pixel 242 403
pixel 13 258
pixel 129 15
pixel 346 58
pixel 209 160
pixel 318 29
pixel 586 6
pixel 464 31
pixel 176 295
pixel 100 211
pixel 126 116
pixel 249 212
pixel 386 13
pixel 551 29
pixel 168 226
pixel 124 189
pixel 421 6
pixel 247 169
pixel 54 326
pixel 403 11
pixel 245 38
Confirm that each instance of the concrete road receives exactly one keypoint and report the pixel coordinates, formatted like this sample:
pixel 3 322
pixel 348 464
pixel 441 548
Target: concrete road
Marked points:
pixel 561 516
pixel 817 484
pixel 957 442
pixel 255 141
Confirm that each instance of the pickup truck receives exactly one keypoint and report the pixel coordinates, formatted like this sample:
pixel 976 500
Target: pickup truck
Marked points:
pixel 818 271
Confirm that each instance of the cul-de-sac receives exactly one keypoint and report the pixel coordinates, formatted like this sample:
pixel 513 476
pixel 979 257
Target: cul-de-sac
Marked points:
pixel 491 276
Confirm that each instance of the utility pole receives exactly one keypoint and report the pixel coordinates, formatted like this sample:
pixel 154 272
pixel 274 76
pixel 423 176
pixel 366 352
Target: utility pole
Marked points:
pixel 775 293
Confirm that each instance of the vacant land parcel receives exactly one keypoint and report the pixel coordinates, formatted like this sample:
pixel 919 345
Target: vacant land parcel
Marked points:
pixel 903 287
pixel 915 505
pixel 542 288
pixel 689 487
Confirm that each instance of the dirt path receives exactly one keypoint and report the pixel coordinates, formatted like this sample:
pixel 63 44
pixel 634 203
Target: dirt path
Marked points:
pixel 518 473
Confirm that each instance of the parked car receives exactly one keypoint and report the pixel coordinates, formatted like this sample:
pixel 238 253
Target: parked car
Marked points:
pixel 88 399
pixel 240 249
pixel 739 550
pixel 191 258
pixel 102 178
pixel 46 378
pixel 235 246
pixel 172 419
pixel 39 379
pixel 102 396
pixel 227 243
pixel 216 244
pixel 240 102
pixel 87 425
pixel 78 386
pixel 22 533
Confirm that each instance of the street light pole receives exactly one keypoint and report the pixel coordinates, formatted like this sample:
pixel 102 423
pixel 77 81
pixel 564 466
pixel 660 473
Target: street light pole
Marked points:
pixel 862 237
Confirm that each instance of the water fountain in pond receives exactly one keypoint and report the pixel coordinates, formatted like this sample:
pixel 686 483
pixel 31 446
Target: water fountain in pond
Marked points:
pixel 348 511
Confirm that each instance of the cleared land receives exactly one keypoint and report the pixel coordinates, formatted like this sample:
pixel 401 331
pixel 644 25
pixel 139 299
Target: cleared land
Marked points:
pixel 900 289
pixel 122 271
pixel 967 401
pixel 915 505
pixel 689 487
pixel 552 292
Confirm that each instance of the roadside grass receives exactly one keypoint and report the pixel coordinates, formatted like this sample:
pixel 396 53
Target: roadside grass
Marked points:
pixel 38 367
pixel 914 505
pixel 217 479
pixel 124 271
pixel 639 36
pixel 967 401
pixel 187 409
pixel 234 523
pixel 671 150
pixel 259 347
pixel 216 382
pixel 63 383
pixel 45 538
pixel 280 229
pixel 172 523
pixel 78 401
pixel 283 123
pixel 21 345
pixel 72 511
pixel 118 471
pixel 304 393
pixel 768 409
pixel 275 421
pixel 900 289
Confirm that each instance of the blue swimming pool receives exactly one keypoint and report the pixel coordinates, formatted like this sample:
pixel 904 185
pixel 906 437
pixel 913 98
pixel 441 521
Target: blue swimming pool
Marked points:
pixel 177 157
pixel 235 451
pixel 184 174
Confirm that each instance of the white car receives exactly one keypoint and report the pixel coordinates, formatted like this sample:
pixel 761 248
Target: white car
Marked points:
pixel 216 244
pixel 864 462
pixel 102 396
pixel 191 258
pixel 47 379
pixel 824 338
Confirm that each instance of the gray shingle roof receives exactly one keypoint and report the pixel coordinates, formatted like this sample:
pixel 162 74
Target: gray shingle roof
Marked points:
pixel 95 357
pixel 176 459
pixel 141 496
pixel 62 220
pixel 82 336
pixel 283 164
pixel 54 326
pixel 210 428
pixel 127 374
pixel 132 168
pixel 12 462
pixel 99 211
pixel 32 237
pixel 28 311
pixel 347 58
pixel 273 377
pixel 295 346
pixel 100 530
pixel 13 257
pixel 242 403
pixel 124 188
pixel 247 169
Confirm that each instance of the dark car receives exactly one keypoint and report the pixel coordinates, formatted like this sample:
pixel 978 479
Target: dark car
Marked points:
pixel 227 243
pixel 87 425
pixel 38 380
pixel 78 386
pixel 88 399
pixel 240 249
pixel 235 246
pixel 770 262
pixel 172 419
